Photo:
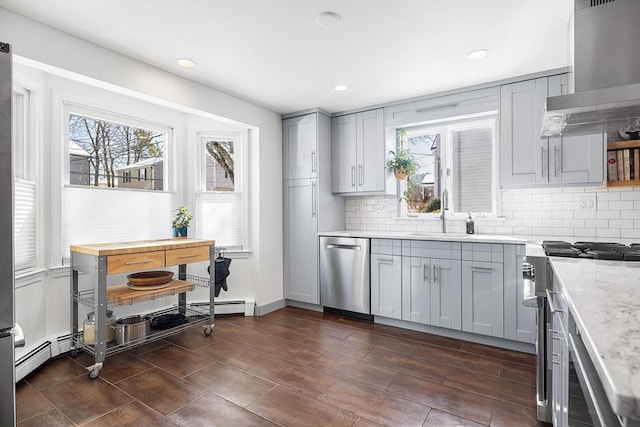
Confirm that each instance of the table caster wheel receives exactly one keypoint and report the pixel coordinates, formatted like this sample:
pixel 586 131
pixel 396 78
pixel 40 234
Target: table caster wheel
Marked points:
pixel 93 374
pixel 208 330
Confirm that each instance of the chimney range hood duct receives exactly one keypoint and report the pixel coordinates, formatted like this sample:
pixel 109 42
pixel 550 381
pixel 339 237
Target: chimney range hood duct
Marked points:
pixel 606 71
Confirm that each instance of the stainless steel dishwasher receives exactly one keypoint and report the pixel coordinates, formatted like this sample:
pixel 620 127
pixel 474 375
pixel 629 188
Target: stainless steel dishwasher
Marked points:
pixel 344 274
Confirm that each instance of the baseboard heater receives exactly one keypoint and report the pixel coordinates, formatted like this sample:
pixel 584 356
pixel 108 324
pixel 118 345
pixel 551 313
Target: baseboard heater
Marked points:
pixel 32 360
pixel 230 307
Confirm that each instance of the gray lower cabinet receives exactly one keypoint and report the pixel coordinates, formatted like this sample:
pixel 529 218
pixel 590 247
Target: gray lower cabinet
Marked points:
pixel 431 283
pixel 386 278
pixel 483 288
pixel 482 298
pixel 559 359
pixel 473 287
pixel 301 253
pixel 526 160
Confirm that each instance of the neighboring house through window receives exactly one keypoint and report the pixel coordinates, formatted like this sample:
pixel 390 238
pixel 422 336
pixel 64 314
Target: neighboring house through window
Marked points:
pixel 455 158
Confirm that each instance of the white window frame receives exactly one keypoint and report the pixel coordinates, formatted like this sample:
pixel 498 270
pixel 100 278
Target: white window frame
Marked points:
pixel 241 180
pixel 446 127
pixel 69 108
pixel 26 144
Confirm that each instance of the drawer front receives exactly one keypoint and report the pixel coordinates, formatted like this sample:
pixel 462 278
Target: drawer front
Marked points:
pixel 187 255
pixel 134 262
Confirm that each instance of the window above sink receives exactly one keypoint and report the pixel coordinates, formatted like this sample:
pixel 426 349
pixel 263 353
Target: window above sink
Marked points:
pixel 456 166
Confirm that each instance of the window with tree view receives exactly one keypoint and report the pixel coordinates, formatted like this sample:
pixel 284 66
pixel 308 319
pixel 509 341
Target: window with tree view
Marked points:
pixel 109 154
pixel 220 173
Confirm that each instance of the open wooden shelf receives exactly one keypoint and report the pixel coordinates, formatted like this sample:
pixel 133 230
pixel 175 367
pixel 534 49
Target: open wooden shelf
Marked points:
pixel 620 145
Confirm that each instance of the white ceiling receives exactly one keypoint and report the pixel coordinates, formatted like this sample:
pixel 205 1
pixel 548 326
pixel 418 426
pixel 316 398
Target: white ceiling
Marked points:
pixel 273 53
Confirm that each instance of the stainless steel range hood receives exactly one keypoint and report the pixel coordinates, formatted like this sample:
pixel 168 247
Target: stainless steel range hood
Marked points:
pixel 606 71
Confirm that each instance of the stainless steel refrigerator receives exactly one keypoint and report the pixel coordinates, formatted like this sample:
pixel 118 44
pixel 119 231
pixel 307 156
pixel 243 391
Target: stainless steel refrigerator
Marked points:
pixel 7 315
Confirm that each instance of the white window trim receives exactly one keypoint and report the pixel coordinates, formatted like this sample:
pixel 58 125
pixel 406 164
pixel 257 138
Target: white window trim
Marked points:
pixel 241 184
pixel 34 158
pixel 445 126
pixel 69 108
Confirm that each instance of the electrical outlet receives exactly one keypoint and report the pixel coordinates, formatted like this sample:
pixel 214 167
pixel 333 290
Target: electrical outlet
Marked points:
pixel 586 203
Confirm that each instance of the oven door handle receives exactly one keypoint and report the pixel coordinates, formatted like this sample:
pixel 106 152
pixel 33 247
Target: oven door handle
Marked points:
pixel 594 391
pixel 552 305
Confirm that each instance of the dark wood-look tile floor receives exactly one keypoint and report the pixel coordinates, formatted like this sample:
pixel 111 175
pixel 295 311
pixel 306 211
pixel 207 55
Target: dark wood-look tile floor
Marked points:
pixel 293 367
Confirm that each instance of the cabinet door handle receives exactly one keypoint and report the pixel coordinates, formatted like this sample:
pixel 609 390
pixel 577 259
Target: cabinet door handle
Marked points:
pixel 147 261
pixel 385 260
pixel 555 166
pixel 435 273
pixel 353 175
pixel 542 161
pixel 313 199
pixel 188 256
pixel 482 268
pixel 425 272
pixel 313 160
pixel 360 175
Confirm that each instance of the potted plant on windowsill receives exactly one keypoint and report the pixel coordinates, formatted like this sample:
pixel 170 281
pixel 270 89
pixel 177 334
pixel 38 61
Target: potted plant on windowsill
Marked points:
pixel 402 164
pixel 181 222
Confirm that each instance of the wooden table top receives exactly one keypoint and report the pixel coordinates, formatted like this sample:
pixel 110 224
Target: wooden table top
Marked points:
pixel 123 248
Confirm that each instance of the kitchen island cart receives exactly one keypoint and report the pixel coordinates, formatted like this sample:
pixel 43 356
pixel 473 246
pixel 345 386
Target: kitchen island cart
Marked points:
pixel 97 261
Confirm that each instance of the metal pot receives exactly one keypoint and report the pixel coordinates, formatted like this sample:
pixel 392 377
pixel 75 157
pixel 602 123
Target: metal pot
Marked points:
pixel 132 328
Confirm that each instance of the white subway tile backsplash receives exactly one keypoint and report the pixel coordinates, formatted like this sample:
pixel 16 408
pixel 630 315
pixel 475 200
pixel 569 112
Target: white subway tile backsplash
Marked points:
pixel 608 214
pixel 573 223
pixel 634 195
pixel 596 223
pixel 608 196
pixel 611 233
pixel 584 232
pixel 528 212
pixel 621 223
pixel 562 197
pixel 562 214
pixel 633 214
pixel 626 204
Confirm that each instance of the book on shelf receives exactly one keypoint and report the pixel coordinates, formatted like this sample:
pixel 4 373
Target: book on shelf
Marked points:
pixel 636 163
pixel 620 163
pixel 627 168
pixel 612 167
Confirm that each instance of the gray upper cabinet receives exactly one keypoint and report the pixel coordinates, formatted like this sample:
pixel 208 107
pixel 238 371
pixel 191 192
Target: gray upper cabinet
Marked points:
pixel 526 160
pixel 300 147
pixel 358 152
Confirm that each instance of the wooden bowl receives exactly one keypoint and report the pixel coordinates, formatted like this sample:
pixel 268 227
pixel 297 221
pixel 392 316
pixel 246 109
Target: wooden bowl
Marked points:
pixel 150 278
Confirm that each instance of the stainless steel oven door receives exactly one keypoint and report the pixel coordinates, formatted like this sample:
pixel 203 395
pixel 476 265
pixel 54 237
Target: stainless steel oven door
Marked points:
pixel 595 397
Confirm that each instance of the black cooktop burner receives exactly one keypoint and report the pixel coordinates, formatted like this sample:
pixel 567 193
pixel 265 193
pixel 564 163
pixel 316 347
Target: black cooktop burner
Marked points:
pixel 595 250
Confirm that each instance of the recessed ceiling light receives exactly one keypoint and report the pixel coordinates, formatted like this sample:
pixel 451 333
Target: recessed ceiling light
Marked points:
pixel 340 88
pixel 478 54
pixel 327 19
pixel 186 63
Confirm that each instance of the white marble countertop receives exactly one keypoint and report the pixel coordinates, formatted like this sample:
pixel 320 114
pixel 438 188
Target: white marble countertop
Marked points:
pixel 604 299
pixel 455 237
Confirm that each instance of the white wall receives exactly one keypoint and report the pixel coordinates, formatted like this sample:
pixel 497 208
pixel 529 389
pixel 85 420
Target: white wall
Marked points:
pixel 261 274
pixel 537 212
